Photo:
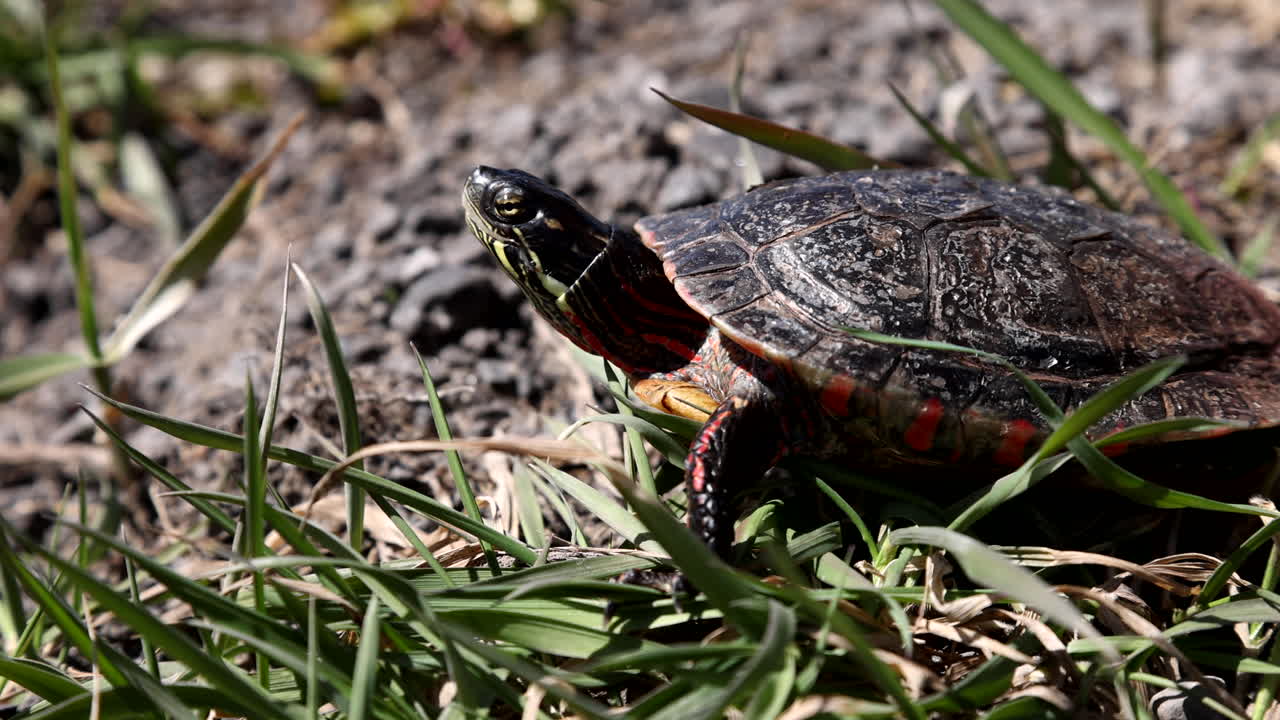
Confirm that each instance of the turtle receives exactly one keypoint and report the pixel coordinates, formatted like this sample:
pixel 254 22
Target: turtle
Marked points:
pixel 736 314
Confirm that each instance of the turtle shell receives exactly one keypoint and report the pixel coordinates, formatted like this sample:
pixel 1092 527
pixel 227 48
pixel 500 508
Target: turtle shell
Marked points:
pixel 1073 295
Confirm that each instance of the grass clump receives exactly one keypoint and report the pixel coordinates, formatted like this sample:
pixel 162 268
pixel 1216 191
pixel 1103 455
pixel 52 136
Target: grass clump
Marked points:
pixel 294 621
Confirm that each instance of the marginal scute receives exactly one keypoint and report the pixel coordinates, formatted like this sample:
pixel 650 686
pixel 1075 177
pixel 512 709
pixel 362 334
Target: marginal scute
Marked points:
pixel 667 234
pixel 1144 311
pixel 723 292
pixel 768 328
pixel 708 257
pixel 1232 301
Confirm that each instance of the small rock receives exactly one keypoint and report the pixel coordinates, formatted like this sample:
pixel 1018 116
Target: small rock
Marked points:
pixel 1185 702
pixel 420 261
pixel 447 301
pixel 686 186
pixel 383 221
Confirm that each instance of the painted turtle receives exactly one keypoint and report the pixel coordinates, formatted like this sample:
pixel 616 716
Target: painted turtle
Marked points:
pixel 734 313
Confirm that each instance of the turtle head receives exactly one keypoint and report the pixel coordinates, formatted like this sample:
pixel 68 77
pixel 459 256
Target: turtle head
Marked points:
pixel 586 277
pixel 543 239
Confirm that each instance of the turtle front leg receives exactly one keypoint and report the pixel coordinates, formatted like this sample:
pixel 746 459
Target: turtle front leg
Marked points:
pixel 739 441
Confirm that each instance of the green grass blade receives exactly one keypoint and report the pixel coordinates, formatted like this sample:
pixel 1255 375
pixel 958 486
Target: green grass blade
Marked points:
pixel 1263 607
pixel 1062 162
pixel 319 70
pixel 561 573
pixel 560 506
pixel 176 280
pixel 670 448
pixel 861 649
pixel 942 141
pixel 665 656
pixel 366 671
pixel 1263 536
pixel 172 640
pixel 145 181
pixel 428 506
pixel 528 511
pixel 798 143
pixel 543 676
pixel 1056 92
pixel 721 584
pixel 40 679
pixel 148 652
pixel 452 457
pixel 1070 432
pixel 1119 480
pixel 600 506
pixel 128 703
pixel 772 691
pixel 52 604
pixel 770 654
pixel 1252 154
pixel 209 510
pixel 277 370
pixel 157 695
pixel 639 457
pixel 1254 255
pixel 868 539
pixel 254 510
pixel 543 634
pixel 27 371
pixel 1108 400
pixel 344 396
pixel 273 636
pixel 255 477
pixel 1154 430
pixel 69 215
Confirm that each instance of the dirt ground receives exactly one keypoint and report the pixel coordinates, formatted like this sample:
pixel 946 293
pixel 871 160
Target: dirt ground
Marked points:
pixel 365 198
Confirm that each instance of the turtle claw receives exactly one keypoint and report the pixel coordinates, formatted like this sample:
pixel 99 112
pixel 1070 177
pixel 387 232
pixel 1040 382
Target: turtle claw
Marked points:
pixel 668 582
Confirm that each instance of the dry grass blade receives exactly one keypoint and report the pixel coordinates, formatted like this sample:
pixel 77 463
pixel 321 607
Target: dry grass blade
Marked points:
pixel 958 633
pixel 1049 557
pixel 174 283
pixel 1141 626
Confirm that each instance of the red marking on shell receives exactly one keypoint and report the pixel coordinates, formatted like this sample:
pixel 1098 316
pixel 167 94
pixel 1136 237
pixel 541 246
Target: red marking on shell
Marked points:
pixel 836 393
pixel 1013 447
pixel 921 433
pixel 1115 449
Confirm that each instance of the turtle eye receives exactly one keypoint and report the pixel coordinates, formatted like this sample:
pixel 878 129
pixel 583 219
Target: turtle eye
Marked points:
pixel 511 205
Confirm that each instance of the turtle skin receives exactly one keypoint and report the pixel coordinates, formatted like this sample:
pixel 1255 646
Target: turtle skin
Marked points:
pixel 744 305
